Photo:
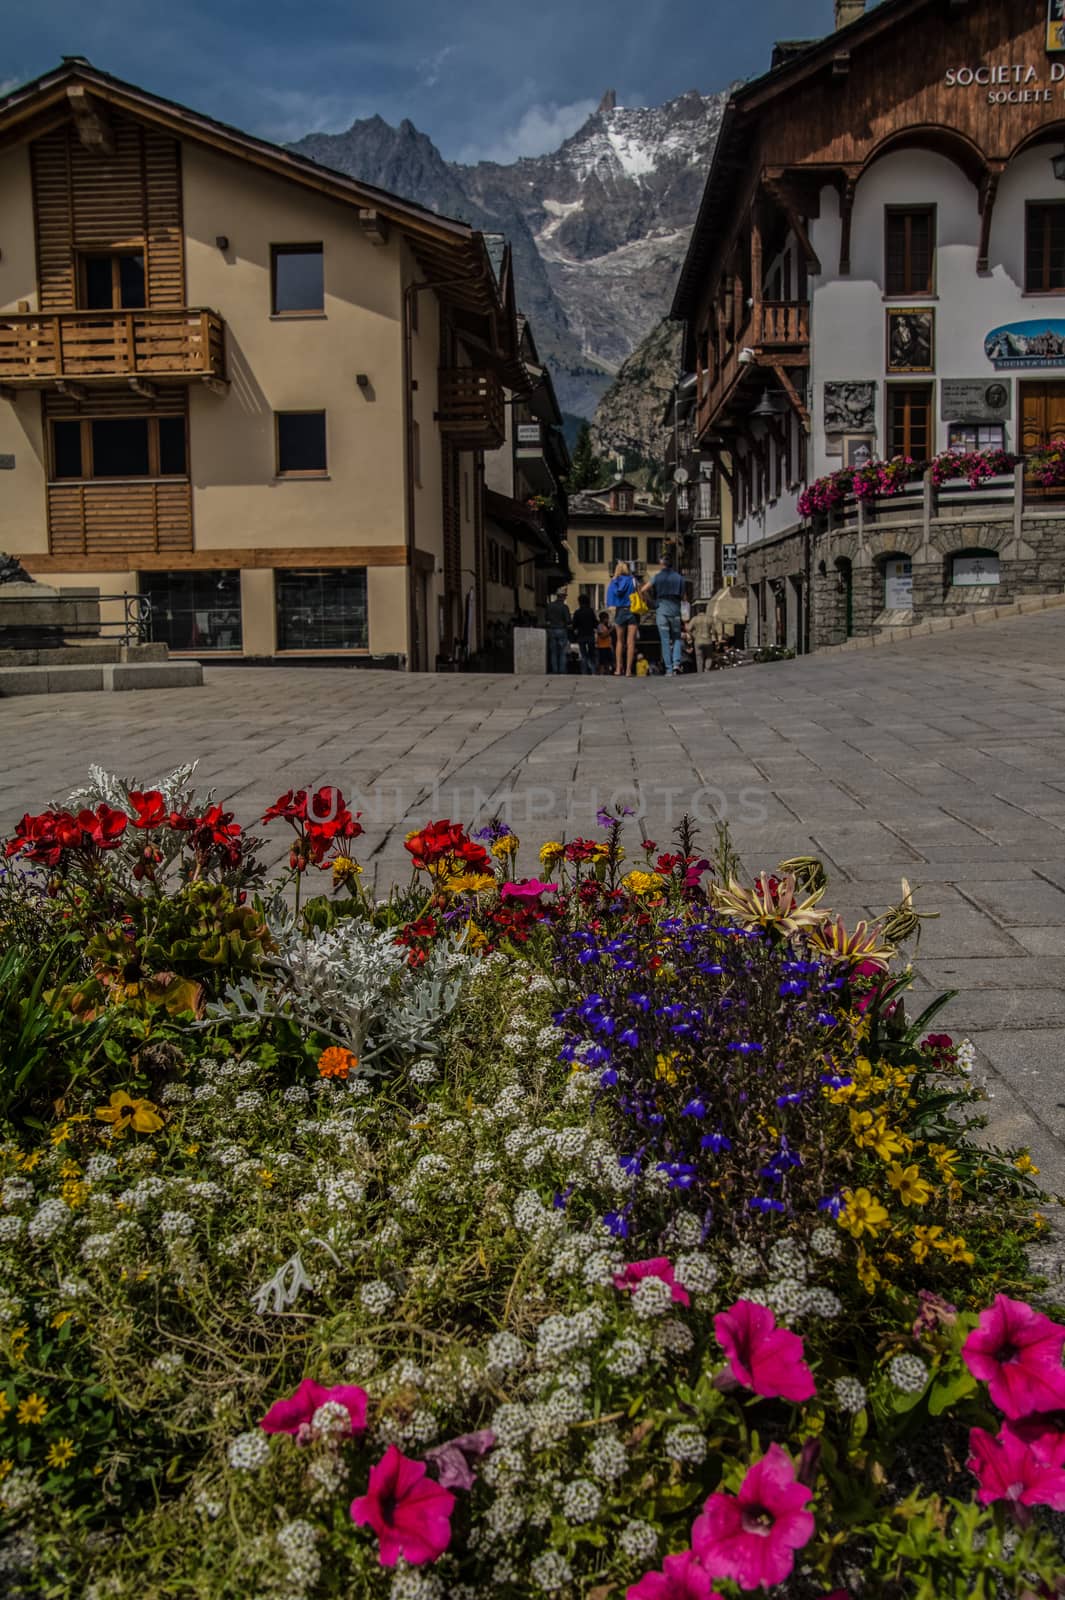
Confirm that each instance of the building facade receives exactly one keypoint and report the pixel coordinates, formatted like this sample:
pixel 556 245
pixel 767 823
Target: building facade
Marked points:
pixel 877 275
pixel 697 510
pixel 611 525
pixel 241 384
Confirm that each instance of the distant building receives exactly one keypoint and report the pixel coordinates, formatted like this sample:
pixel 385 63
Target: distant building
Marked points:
pixel 697 511
pixel 878 272
pixel 607 526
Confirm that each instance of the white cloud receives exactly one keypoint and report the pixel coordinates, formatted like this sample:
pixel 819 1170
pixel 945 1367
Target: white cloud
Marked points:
pixel 540 128
pixel 431 68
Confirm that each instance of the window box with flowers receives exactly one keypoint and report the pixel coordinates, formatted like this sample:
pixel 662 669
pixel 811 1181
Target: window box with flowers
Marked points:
pixel 1046 465
pixel 875 480
pixel 975 466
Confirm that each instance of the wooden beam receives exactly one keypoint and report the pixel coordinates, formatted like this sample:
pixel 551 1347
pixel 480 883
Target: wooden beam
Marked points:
pixel 373 225
pixel 793 395
pixel 91 121
pixel 846 208
pixel 73 391
pixel 385 555
pixel 796 224
pixel 142 386
pixel 988 192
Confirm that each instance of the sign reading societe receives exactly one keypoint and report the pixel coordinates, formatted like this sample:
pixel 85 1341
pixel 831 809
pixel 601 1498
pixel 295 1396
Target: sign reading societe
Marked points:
pixel 1009 83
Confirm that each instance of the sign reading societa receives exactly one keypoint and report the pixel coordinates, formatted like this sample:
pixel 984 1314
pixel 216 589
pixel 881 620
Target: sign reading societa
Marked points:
pixel 1018 83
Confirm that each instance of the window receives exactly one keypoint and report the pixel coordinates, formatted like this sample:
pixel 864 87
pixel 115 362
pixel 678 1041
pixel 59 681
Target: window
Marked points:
pixel 654 550
pixel 909 249
pixel 624 549
pixel 965 436
pixel 322 609
pixel 298 279
pixel 194 610
pixel 300 443
pixel 119 447
pixel 590 550
pixel 909 420
pixel 113 282
pixel 1044 246
pixel 974 568
pixel 898 583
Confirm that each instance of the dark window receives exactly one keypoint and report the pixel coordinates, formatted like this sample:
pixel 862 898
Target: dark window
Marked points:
pixel 625 549
pixel 66 449
pixel 120 448
pixel 1044 246
pixel 299 283
pixel 172 447
pixel 909 249
pixel 654 550
pixel 590 550
pixel 112 282
pixel 194 610
pixel 322 609
pixel 300 441
pixel 909 420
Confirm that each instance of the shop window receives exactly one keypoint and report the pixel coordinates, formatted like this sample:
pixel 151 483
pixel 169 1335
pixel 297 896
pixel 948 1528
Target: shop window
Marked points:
pixel 298 279
pixel 963 437
pixel 590 549
pixel 909 249
pixel 195 610
pixel 625 549
pixel 119 447
pixel 1044 246
pixel 909 420
pixel 974 568
pixel 113 282
pixel 300 444
pixel 322 609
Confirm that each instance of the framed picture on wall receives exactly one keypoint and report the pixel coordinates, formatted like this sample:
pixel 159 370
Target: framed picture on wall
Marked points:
pixel 858 449
pixel 911 339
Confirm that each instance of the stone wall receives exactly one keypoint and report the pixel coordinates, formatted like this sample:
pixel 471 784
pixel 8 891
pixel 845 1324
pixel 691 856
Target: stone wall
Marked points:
pixel 838 560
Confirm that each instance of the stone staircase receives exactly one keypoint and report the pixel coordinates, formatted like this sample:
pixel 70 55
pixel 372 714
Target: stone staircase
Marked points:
pixel 100 665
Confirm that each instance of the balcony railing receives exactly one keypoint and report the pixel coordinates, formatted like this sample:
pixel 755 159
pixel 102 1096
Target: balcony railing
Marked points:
pixel 472 413
pixel 778 330
pixel 39 351
pixel 116 521
pixel 785 324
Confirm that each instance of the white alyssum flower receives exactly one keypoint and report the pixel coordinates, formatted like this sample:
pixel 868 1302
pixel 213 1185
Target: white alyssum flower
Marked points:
pixel 965 1055
pixel 626 1357
pixel 296 1095
pixel 341 1191
pixel 169 1363
pixel 248 1451
pixel 685 1230
pixel 504 1467
pixel 505 1350
pixel 638 1540
pixel 674 1337
pixel 411 1584
pixel 176 1224
pixel 558 1335
pixel 10 1229
pixel 19 1490
pixel 248 1100
pixel 787 1258
pixel 50 1218
pixel 850 1394
pixel 550 1572
pixel 652 1297
pixel 100 1166
pixel 424 1072
pixel 818 1302
pixel 16 1192
pixel 331 1419
pixel 908 1373
pixel 599 1269
pixel 786 1296
pixel 581 1501
pixel 695 1272
pixel 746 1263
pixel 377 1296
pixel 510 1423
pixel 207 1506
pixel 825 1243
pixel 296 1542
pixel 685 1443
pixel 607 1459
pixel 140 1195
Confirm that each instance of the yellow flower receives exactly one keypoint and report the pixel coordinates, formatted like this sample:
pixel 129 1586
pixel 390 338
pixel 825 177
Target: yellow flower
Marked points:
pixel 865 944
pixel 956 1251
pixel 75 1192
pixel 868 1276
pixel 473 938
pixel 642 884
pixel 70 1169
pixel 470 883
pixel 507 846
pixel 60 1318
pixel 862 1213
pixel 911 1188
pixel 345 870
pixel 192 1149
pixel 772 903
pixel 551 853
pixel 5 1405
pixel 125 1112
pixel 887 1142
pixel 5 1467
pixel 29 1161
pixel 61 1453
pixel 266 1178
pixel 1026 1164
pixel 664 1067
pixel 19 1341
pixel 33 1409
pixel 923 1241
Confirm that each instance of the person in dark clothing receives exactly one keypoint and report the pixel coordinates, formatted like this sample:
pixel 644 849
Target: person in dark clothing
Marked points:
pixel 558 619
pixel 666 590
pixel 585 623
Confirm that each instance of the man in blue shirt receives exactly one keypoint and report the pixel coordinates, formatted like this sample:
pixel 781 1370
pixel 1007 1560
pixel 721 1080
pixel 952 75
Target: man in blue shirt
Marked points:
pixel 665 592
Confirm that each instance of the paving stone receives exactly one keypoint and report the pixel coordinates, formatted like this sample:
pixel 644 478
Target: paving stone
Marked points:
pixel 1021 905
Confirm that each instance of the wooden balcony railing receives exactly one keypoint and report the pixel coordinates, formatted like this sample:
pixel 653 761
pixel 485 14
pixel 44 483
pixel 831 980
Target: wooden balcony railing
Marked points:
pixel 784 324
pixel 778 331
pixel 117 521
pixel 38 351
pixel 472 413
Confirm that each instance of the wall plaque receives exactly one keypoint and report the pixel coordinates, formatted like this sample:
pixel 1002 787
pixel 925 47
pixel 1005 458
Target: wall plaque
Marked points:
pixel 850 407
pixel 1039 343
pixel 974 400
pixel 7 463
pixel 911 339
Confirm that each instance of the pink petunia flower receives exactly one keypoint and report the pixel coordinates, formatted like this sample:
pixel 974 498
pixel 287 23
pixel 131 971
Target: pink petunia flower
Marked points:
pixel 410 1514
pixel 682 1577
pixel 763 1357
pixel 1009 1469
pixel 295 1413
pixel 751 1537
pixel 453 1457
pixel 528 889
pixel 654 1267
pixel 1017 1353
pixel 1044 1432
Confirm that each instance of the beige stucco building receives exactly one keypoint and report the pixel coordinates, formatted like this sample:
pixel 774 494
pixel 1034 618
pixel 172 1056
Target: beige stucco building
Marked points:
pixel 242 384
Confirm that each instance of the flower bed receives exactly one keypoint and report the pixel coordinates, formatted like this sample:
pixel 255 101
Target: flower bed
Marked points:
pixel 605 1231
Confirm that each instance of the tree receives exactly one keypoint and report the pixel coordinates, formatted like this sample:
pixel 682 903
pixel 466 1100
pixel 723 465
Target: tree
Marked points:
pixel 585 470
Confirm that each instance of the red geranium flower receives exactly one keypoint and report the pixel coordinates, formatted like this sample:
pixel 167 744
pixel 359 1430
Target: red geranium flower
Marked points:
pixel 292 806
pixel 150 807
pixel 103 827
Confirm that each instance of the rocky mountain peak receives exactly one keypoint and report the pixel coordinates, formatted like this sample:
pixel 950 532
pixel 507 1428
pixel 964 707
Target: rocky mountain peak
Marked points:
pixel 608 102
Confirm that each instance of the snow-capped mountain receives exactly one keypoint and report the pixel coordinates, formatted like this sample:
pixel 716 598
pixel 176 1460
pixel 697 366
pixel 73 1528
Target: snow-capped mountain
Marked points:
pixel 599 227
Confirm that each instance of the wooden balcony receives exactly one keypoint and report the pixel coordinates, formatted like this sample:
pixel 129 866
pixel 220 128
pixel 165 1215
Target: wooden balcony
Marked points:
pixel 785 325
pixel 118 521
pixel 472 413
pixel 96 348
pixel 777 334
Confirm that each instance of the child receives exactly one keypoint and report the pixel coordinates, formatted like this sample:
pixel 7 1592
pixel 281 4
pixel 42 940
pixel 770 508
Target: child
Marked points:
pixel 604 645
pixel 643 666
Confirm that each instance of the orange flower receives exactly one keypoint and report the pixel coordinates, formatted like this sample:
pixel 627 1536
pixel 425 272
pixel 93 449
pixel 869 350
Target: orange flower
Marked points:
pixel 336 1062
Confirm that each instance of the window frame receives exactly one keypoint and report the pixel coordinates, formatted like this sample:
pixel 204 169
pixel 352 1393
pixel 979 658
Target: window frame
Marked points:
pixel 333 576
pixel 85 425
pixel 632 539
pixel 894 388
pixel 215 576
pixel 309 249
pixel 908 212
pixel 600 545
pixel 115 256
pixel 301 472
pixel 1030 207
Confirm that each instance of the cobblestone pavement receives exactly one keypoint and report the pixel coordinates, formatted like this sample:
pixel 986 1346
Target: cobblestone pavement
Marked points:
pixel 942 760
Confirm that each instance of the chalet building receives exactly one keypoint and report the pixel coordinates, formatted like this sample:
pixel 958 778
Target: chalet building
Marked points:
pixel 878 272
pixel 242 384
pixel 607 526
pixel 525 508
pixel 697 510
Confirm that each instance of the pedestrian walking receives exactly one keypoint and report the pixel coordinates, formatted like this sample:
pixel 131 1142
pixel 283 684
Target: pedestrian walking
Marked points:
pixel 665 592
pixel 585 623
pixel 619 595
pixel 558 619
pixel 604 645
pixel 703 638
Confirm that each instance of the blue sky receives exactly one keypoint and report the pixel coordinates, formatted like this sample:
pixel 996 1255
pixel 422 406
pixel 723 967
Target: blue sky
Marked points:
pixel 484 78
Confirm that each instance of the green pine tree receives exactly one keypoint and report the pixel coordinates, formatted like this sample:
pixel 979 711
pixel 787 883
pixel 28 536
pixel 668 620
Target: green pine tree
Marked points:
pixel 585 471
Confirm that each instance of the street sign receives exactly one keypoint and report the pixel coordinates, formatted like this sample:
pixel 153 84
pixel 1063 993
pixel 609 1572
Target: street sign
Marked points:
pixel 729 567
pixel 528 433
